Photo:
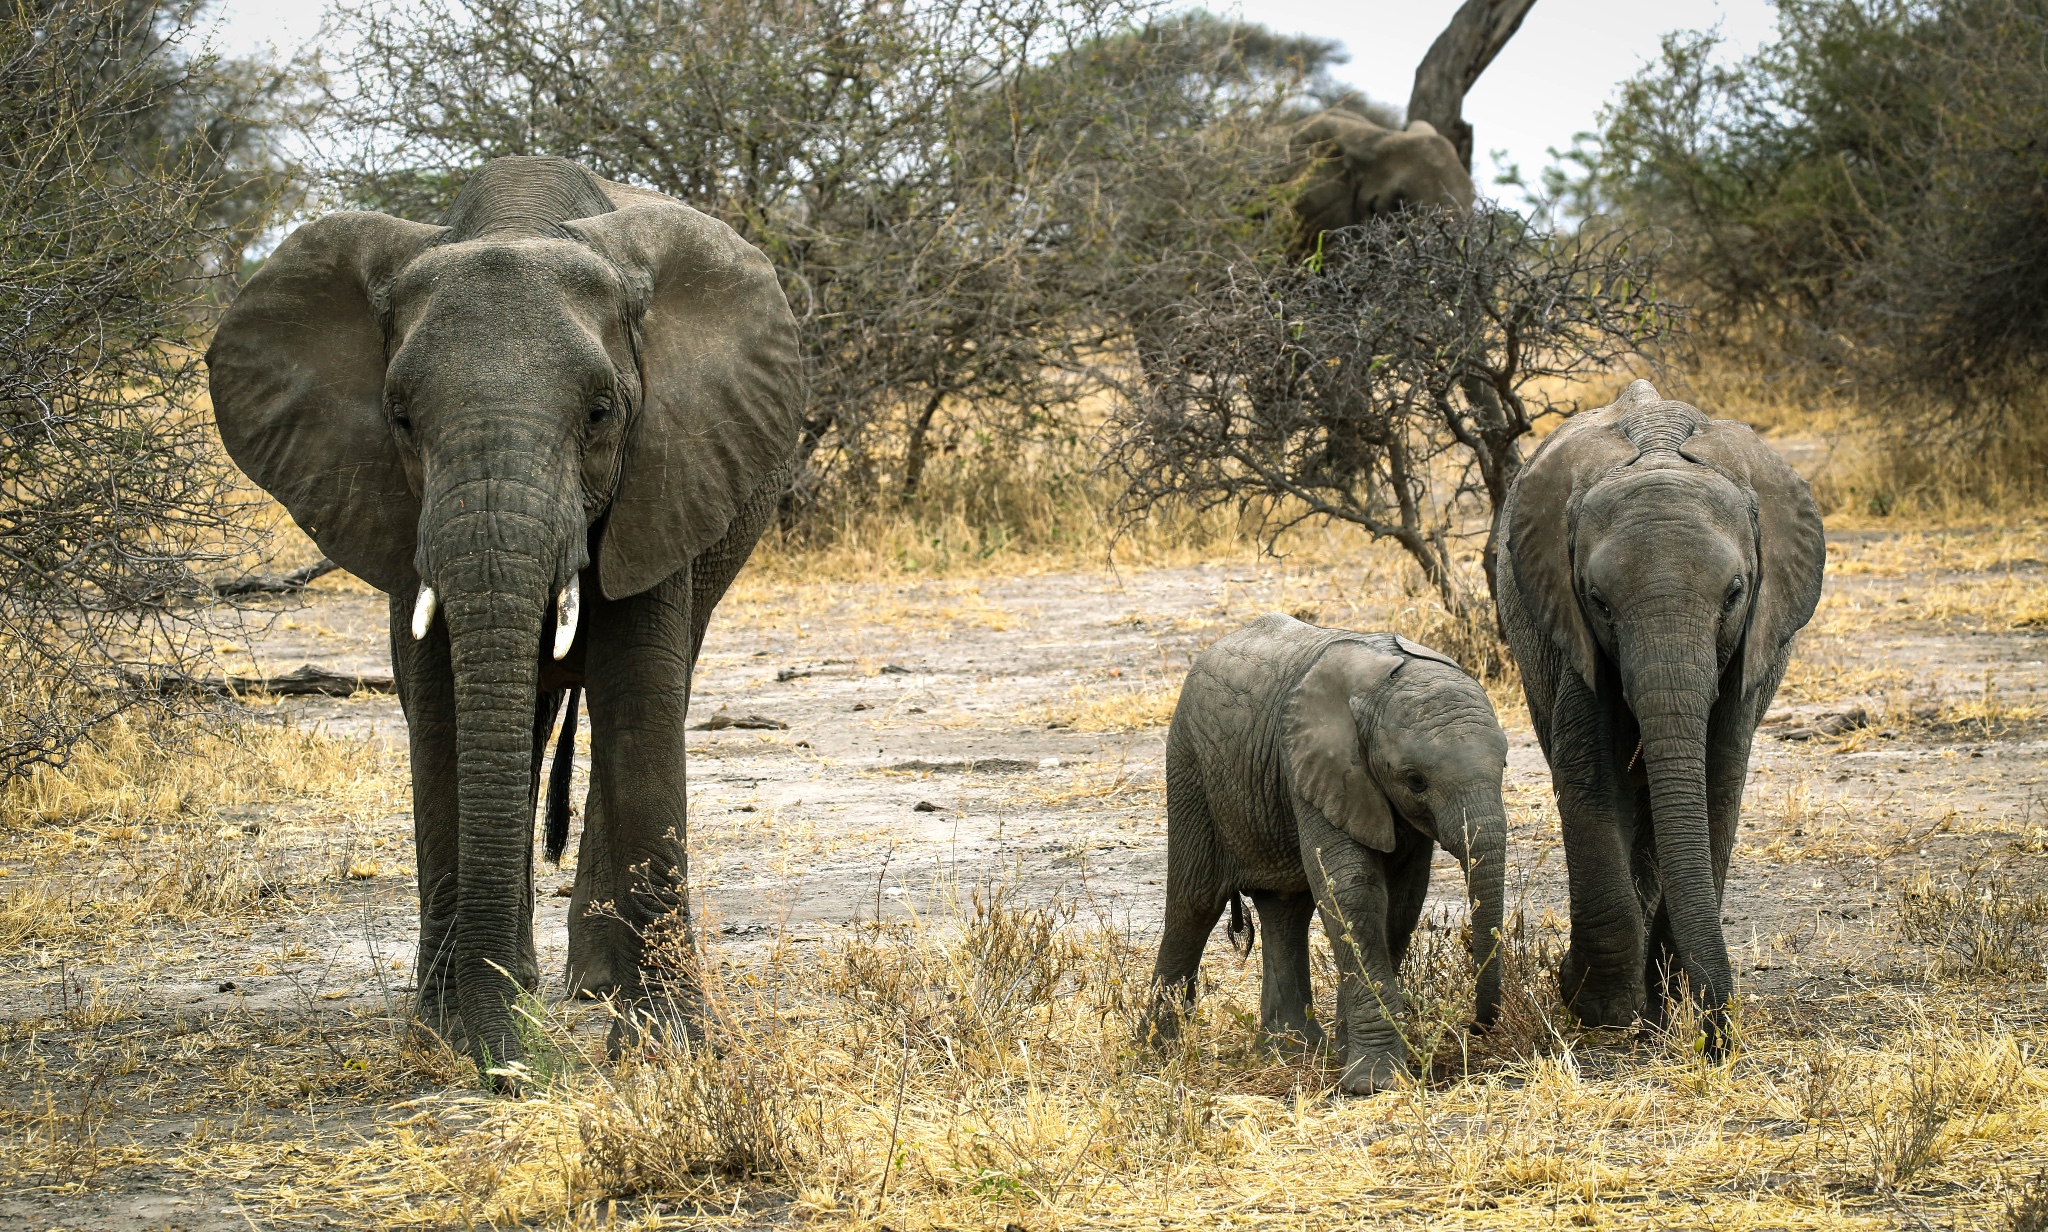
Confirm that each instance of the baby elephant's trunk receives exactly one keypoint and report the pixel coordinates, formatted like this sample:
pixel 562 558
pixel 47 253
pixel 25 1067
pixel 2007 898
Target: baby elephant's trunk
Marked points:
pixel 1474 829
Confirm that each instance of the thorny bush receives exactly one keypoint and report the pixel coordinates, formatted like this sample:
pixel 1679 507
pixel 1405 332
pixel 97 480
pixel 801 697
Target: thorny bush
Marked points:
pixel 1388 381
pixel 125 190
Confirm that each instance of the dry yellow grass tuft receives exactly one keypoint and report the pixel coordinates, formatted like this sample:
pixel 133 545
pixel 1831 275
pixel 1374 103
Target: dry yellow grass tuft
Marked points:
pixel 130 832
pixel 1108 708
pixel 140 771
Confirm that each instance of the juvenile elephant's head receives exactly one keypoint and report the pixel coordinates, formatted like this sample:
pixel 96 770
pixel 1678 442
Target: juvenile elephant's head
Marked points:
pixel 1356 170
pixel 471 412
pixel 1672 558
pixel 1383 732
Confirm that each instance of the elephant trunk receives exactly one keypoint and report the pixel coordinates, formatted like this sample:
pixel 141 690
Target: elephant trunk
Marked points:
pixel 1669 677
pixel 1475 831
pixel 496 550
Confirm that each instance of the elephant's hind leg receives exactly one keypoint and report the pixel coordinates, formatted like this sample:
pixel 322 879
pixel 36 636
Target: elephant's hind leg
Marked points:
pixel 1286 997
pixel 1195 896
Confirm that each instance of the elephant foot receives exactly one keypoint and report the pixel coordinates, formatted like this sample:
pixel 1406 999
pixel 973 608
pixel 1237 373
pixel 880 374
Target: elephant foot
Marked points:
pixel 1292 1040
pixel 1597 999
pixel 655 1021
pixel 1372 1072
pixel 435 1018
pixel 1161 1025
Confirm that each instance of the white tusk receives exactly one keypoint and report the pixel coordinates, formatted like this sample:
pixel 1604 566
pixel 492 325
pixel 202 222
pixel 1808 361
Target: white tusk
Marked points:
pixel 423 613
pixel 568 605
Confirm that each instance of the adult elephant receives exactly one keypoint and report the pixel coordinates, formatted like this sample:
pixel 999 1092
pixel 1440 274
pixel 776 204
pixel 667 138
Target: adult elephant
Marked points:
pixel 559 421
pixel 1356 170
pixel 1655 566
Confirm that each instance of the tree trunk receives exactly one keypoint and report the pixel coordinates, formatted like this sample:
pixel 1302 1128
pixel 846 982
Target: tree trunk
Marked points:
pixel 917 452
pixel 1475 36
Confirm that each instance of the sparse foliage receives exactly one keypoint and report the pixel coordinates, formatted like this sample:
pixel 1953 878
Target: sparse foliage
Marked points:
pixel 965 199
pixel 125 188
pixel 1861 203
pixel 1388 382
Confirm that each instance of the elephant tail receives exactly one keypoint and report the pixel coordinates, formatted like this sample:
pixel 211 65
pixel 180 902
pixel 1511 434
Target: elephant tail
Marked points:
pixel 558 784
pixel 1242 931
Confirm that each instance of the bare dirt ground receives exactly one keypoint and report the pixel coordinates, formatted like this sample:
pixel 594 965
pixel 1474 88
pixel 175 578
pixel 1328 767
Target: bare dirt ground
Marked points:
pixel 176 1066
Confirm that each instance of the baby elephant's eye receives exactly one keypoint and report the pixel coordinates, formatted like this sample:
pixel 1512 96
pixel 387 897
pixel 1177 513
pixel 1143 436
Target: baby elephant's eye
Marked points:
pixel 400 419
pixel 600 408
pixel 1734 595
pixel 1599 604
pixel 1417 784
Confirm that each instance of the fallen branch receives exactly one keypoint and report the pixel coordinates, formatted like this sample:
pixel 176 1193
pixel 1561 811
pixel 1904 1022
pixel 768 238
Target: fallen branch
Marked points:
pixel 274 583
pixel 306 681
pixel 753 722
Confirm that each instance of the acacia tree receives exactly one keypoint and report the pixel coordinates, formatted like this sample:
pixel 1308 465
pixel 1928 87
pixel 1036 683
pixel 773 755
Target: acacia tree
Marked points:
pixel 962 196
pixel 131 174
pixel 1861 204
pixel 1387 383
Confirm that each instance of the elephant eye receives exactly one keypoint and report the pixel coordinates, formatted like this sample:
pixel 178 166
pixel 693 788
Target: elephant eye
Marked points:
pixel 600 407
pixel 400 419
pixel 1734 595
pixel 1599 604
pixel 1416 783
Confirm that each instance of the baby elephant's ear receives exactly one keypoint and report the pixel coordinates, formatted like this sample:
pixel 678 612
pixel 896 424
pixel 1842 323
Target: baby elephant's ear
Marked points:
pixel 1326 749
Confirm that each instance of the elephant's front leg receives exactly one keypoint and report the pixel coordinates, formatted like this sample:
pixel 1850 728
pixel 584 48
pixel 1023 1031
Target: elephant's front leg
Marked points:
pixel 426 691
pixel 1601 977
pixel 629 917
pixel 1350 888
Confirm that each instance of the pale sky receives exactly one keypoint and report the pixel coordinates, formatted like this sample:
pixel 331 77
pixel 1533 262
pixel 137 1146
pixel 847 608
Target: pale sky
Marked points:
pixel 1547 85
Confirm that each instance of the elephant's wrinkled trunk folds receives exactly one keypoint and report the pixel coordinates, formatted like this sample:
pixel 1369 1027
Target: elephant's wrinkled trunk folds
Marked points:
pixel 1474 829
pixel 493 547
pixel 1670 682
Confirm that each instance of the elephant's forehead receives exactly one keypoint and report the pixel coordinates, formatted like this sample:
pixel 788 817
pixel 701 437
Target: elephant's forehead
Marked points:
pixel 524 269
pixel 1670 488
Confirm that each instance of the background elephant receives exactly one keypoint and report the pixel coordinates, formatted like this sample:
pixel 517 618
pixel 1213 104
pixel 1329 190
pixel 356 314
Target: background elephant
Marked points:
pixel 1357 169
pixel 1655 566
pixel 1317 769
pixel 559 421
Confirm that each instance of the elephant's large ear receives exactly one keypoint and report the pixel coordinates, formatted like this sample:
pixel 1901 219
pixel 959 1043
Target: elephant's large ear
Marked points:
pixel 1541 510
pixel 720 379
pixel 1791 545
pixel 297 376
pixel 1324 746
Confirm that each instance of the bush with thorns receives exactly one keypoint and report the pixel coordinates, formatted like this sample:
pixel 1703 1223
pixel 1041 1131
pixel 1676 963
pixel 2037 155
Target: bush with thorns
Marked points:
pixel 1387 382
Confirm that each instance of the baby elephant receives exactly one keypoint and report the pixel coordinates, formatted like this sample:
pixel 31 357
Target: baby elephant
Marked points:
pixel 1316 769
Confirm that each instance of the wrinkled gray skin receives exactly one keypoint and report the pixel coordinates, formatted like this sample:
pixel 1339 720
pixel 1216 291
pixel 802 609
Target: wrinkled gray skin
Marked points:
pixel 1359 170
pixel 1654 567
pixel 570 379
pixel 1317 770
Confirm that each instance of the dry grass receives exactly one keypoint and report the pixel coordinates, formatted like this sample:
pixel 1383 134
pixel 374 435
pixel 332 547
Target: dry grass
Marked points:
pixel 156 823
pixel 978 1070
pixel 1107 707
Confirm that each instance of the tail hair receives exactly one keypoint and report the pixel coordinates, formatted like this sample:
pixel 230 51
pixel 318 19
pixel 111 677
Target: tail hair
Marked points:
pixel 1242 930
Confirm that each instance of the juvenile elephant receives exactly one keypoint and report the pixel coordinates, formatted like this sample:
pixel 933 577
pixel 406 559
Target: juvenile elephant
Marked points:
pixel 1358 170
pixel 1654 566
pixel 551 430
pixel 1316 769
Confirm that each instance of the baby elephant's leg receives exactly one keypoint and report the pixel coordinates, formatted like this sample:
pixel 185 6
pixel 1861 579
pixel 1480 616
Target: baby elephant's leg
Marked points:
pixel 1285 998
pixel 1352 896
pixel 1195 896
